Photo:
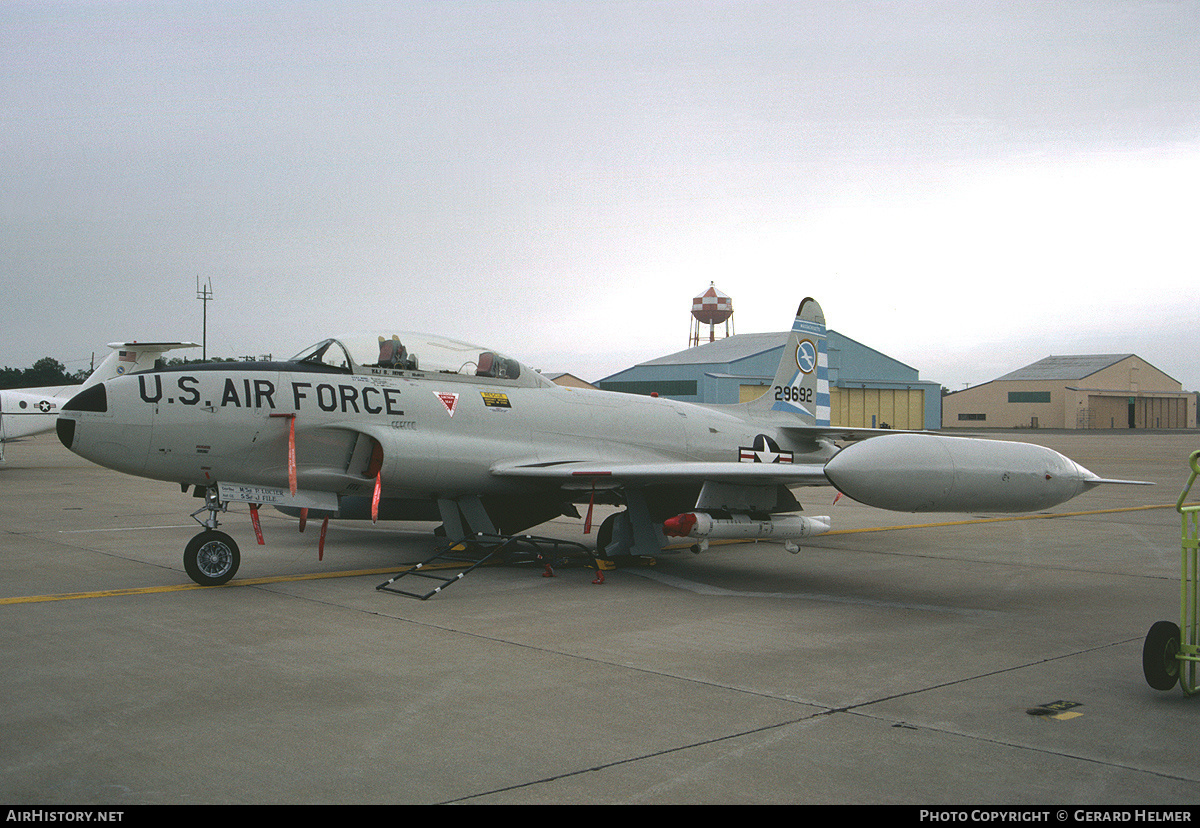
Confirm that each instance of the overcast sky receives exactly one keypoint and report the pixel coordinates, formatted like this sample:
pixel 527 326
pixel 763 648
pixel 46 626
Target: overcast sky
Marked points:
pixel 965 186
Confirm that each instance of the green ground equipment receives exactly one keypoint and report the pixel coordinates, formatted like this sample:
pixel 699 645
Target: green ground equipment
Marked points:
pixel 1172 650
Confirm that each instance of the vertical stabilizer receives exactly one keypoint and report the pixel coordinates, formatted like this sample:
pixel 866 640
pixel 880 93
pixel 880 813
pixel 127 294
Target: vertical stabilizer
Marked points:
pixel 801 384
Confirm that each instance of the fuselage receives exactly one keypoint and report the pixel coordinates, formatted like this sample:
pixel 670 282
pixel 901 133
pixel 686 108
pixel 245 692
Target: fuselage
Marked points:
pixel 426 434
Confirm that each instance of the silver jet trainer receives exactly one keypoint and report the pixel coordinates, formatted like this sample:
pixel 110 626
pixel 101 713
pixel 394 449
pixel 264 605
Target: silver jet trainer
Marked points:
pixel 413 427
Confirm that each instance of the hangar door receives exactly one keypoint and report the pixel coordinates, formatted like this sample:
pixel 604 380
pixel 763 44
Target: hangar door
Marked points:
pixel 1112 411
pixel 872 407
pixel 750 393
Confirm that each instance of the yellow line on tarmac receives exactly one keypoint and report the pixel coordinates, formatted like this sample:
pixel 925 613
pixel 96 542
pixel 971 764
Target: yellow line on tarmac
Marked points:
pixel 273 579
pixel 278 579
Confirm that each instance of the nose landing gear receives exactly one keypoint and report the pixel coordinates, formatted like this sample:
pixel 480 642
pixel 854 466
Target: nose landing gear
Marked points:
pixel 211 558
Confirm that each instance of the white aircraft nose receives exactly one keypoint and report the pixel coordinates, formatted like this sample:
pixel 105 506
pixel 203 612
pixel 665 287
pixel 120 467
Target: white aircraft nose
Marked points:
pixel 94 399
pixel 104 425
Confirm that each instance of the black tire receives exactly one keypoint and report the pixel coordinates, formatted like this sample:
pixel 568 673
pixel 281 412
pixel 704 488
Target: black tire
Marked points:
pixel 1159 662
pixel 211 558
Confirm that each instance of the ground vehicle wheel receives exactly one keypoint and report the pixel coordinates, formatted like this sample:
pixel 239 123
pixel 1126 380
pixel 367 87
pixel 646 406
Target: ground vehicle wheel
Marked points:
pixel 211 558
pixel 1158 655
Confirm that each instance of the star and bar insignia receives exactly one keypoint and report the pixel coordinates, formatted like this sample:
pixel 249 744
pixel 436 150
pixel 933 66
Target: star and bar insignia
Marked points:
pixel 764 450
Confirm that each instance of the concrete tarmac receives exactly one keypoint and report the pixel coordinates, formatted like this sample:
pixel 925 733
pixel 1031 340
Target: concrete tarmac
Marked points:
pixel 892 661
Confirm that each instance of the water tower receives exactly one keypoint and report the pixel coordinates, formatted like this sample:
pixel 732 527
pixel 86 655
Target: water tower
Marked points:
pixel 711 308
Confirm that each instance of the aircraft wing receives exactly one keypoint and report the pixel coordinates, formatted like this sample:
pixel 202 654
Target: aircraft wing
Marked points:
pixel 582 472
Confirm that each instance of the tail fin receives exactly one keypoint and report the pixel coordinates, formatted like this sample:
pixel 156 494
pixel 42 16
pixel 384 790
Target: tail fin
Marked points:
pixel 128 357
pixel 801 384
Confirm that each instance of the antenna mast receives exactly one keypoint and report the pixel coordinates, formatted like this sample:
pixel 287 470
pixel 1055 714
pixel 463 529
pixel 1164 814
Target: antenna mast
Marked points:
pixel 205 294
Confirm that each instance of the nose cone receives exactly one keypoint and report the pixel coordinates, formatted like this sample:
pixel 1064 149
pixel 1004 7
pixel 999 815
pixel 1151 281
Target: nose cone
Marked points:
pixel 108 424
pixel 93 399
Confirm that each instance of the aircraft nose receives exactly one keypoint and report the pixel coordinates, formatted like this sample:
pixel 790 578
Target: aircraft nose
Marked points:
pixel 110 424
pixel 94 399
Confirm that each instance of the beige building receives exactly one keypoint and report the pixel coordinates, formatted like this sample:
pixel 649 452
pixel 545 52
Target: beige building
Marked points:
pixel 569 380
pixel 1088 391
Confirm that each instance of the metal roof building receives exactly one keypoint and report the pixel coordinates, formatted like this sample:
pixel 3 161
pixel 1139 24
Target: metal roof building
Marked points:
pixel 867 388
pixel 1075 391
pixel 1070 367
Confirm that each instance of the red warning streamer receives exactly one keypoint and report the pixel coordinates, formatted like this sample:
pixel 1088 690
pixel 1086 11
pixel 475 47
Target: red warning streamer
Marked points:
pixel 587 524
pixel 257 527
pixel 375 469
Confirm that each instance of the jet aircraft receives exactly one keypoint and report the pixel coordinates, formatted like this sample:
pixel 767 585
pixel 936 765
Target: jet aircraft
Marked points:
pixel 417 427
pixel 25 412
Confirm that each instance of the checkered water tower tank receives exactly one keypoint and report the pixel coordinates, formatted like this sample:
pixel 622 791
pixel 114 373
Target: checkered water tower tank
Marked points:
pixel 712 307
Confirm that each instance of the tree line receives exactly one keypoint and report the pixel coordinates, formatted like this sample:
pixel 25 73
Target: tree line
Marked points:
pixel 46 371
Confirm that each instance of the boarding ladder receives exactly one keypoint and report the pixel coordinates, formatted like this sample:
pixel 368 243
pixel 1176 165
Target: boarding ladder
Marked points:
pixel 1172 652
pixel 451 563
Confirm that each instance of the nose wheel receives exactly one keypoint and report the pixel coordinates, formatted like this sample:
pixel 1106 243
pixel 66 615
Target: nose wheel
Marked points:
pixel 211 558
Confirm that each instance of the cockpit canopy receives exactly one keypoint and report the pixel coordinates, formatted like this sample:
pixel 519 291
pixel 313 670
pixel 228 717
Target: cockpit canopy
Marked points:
pixel 419 355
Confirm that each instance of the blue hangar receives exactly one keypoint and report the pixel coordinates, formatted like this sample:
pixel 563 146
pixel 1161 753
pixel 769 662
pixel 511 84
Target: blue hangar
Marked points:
pixel 867 388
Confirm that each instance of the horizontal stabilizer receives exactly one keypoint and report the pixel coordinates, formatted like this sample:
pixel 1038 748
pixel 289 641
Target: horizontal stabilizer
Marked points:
pixel 128 357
